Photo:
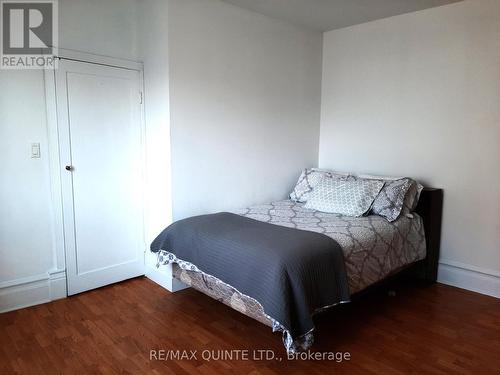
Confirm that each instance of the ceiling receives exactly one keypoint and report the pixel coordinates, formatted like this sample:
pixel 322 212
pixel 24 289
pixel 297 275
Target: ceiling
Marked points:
pixel 324 15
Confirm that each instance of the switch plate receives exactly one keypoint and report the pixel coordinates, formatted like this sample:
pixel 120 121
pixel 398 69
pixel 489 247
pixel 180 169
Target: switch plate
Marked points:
pixel 35 150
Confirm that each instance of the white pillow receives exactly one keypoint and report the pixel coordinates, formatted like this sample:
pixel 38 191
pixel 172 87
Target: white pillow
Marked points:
pixel 351 197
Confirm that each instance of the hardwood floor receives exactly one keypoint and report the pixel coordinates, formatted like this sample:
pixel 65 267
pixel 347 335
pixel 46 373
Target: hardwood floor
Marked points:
pixel 112 330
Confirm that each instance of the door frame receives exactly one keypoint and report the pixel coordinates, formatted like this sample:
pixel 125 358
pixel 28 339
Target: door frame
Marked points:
pixel 56 167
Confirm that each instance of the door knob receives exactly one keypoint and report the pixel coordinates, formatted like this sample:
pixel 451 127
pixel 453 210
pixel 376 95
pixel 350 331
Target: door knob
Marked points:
pixel 69 168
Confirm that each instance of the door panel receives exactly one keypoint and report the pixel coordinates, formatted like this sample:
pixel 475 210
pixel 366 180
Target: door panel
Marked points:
pixel 101 131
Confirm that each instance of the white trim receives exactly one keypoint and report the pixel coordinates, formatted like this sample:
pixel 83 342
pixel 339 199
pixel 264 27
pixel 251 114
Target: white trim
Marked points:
pixel 23 281
pixel 57 284
pixel 164 278
pixel 476 279
pixel 469 267
pixel 32 290
pixel 144 151
pixel 70 54
pixel 54 170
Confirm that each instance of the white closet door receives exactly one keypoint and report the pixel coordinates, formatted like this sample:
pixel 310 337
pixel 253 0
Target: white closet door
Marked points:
pixel 101 135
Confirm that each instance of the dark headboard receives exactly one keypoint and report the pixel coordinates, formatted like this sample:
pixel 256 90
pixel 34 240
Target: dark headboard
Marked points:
pixel 430 208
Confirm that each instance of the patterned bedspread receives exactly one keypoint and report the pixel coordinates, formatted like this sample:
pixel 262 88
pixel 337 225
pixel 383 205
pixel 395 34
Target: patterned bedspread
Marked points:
pixel 373 247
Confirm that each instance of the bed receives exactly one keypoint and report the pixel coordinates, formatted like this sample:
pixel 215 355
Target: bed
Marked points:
pixel 373 249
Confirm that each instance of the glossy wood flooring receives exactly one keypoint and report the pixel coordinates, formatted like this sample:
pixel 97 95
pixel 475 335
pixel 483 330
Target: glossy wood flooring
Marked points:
pixel 433 330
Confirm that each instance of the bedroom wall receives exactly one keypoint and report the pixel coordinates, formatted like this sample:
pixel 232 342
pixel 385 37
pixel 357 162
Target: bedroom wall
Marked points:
pixel 103 27
pixel 29 272
pixel 419 95
pixel 245 105
pixel 25 221
pixel 153 18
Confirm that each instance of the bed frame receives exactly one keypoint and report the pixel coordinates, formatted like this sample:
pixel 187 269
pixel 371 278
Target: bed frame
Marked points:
pixel 424 272
pixel 430 208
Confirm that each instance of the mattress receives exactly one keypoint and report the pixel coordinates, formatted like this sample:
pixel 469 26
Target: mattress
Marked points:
pixel 373 250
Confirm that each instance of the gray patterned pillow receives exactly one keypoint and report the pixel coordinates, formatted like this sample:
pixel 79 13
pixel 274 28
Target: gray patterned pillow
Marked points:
pixel 308 179
pixel 412 194
pixel 391 199
pixel 350 197
pixel 412 197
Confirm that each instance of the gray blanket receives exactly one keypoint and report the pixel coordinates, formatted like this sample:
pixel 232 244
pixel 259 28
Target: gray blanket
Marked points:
pixel 292 273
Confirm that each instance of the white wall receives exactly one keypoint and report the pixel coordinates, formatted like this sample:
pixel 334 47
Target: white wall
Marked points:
pixel 153 48
pixel 25 221
pixel 245 104
pixel 419 95
pixel 103 27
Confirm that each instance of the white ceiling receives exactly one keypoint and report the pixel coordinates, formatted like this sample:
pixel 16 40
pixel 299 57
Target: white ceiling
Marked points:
pixel 324 15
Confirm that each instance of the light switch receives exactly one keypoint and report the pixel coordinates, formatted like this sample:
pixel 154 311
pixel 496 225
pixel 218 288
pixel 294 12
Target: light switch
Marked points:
pixel 35 150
